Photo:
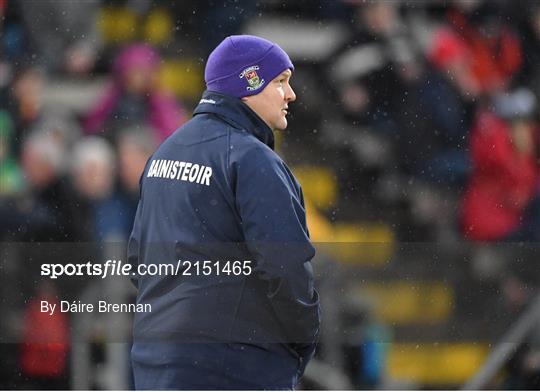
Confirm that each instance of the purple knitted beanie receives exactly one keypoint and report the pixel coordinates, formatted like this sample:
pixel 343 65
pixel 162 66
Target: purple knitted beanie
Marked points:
pixel 243 65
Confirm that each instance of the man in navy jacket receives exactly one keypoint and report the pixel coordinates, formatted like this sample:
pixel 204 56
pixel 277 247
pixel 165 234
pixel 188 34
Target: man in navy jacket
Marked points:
pixel 222 208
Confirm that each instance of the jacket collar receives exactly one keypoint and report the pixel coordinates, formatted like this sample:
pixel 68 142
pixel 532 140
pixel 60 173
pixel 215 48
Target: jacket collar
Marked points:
pixel 233 111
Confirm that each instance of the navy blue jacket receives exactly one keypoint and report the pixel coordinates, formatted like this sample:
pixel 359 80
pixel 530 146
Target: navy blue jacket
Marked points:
pixel 215 190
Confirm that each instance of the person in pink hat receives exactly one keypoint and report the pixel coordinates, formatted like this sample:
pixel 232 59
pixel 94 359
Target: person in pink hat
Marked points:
pixel 133 97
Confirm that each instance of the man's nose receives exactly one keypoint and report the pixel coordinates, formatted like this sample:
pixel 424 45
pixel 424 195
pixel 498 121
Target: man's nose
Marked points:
pixel 290 96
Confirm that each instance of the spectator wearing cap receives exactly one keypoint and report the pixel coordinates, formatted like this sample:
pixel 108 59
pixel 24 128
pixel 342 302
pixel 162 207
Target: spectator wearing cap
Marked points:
pixel 216 190
pixel 134 98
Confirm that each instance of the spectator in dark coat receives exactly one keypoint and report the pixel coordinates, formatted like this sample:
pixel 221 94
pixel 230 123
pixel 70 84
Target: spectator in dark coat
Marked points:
pixel 42 212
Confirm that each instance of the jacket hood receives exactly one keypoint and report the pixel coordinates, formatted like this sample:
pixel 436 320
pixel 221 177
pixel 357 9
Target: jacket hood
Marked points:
pixel 236 113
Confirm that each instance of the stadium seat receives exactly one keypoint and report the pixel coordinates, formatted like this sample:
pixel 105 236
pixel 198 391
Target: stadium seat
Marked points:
pixel 117 24
pixel 366 244
pixel 408 302
pixel 319 184
pixel 435 364
pixel 183 77
pixel 158 27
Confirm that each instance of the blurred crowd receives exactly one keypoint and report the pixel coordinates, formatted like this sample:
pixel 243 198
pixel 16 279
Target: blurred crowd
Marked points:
pixel 427 111
pixel 439 100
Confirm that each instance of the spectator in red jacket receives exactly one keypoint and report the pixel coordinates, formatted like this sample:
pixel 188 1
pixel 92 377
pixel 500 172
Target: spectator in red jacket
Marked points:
pixel 46 341
pixel 476 49
pixel 505 174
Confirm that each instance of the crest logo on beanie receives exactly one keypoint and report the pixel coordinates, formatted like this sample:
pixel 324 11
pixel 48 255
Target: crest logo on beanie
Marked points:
pixel 253 79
